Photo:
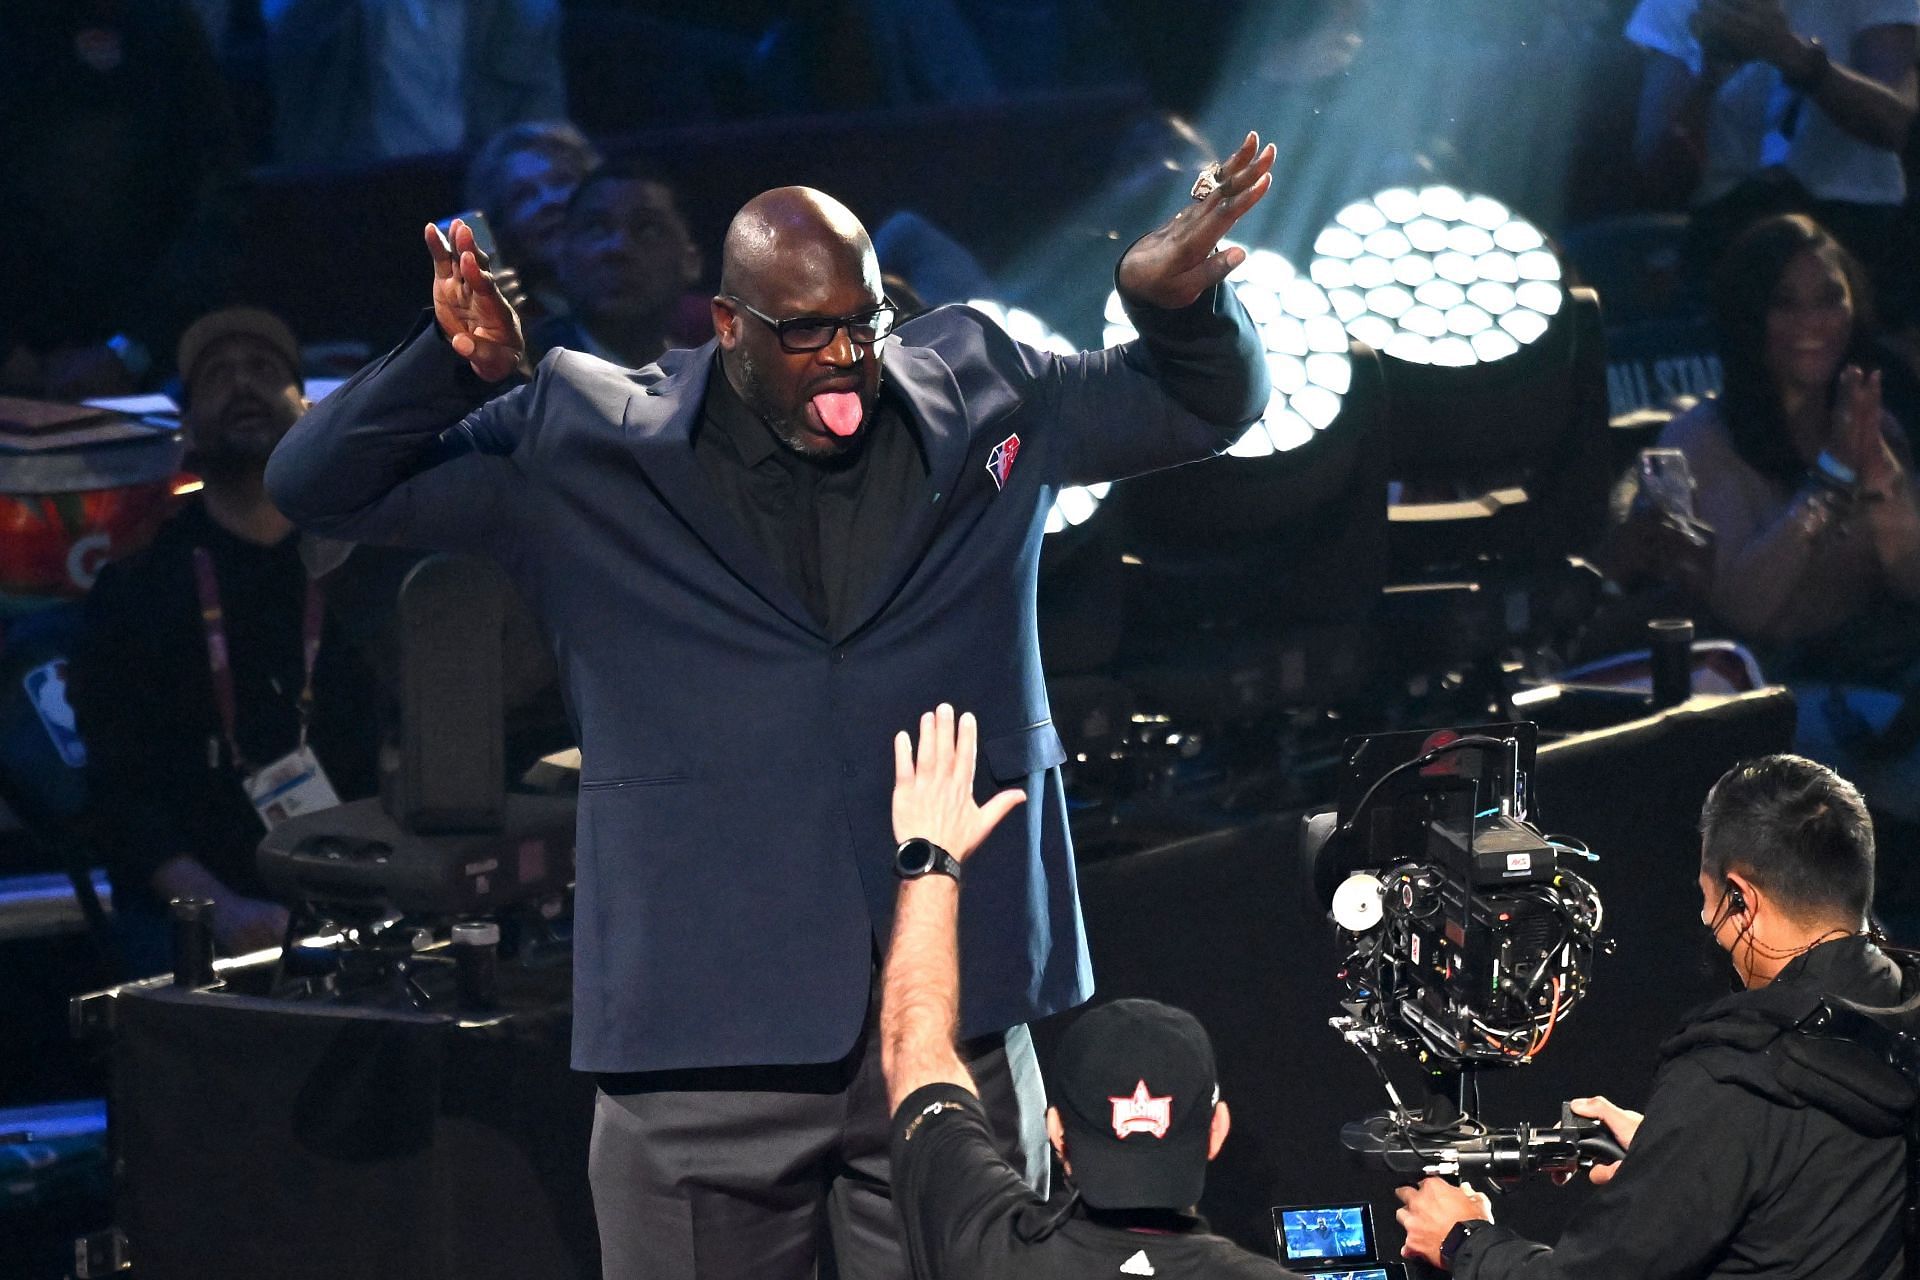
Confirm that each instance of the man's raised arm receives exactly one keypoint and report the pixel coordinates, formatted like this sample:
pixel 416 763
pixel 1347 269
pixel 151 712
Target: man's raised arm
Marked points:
pixel 920 992
pixel 1197 375
pixel 415 448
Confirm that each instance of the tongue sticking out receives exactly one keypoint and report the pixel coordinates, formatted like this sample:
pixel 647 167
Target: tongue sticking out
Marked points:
pixel 840 411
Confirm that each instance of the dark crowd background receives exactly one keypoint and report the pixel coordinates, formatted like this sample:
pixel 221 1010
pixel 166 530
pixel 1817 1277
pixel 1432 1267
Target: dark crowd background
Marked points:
pixel 164 158
pixel 1210 638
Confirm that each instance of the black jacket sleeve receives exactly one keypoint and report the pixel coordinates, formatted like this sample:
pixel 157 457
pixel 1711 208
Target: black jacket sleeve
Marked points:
pixel 414 450
pixel 1182 391
pixel 1668 1213
pixel 1207 356
pixel 955 1196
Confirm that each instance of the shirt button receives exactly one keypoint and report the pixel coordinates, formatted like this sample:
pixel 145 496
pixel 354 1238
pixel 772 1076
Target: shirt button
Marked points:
pixel 839 656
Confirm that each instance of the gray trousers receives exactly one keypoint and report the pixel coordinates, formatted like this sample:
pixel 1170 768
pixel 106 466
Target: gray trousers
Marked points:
pixel 778 1173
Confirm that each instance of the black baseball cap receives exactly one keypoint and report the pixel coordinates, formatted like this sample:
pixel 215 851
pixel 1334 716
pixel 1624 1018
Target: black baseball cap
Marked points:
pixel 1135 1084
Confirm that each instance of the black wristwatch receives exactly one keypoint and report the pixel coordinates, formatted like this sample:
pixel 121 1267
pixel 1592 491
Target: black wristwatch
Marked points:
pixel 917 857
pixel 1461 1233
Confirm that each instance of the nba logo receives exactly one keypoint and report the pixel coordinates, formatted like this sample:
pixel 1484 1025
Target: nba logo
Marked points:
pixel 46 687
pixel 1000 461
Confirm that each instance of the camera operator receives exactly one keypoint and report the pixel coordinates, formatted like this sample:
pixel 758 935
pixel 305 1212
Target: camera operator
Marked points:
pixel 1140 1112
pixel 1765 1150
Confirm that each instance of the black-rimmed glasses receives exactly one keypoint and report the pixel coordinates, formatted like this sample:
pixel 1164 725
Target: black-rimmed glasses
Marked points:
pixel 815 333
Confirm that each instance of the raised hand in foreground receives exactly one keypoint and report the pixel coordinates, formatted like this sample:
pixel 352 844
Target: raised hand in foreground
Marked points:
pixel 476 317
pixel 1172 266
pixel 933 795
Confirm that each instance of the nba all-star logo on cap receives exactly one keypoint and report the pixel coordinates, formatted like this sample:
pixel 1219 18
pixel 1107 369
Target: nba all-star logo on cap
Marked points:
pixel 1141 1112
pixel 1000 461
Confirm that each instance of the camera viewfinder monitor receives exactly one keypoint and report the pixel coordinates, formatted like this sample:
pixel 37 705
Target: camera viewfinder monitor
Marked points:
pixel 1323 1235
pixel 1376 1271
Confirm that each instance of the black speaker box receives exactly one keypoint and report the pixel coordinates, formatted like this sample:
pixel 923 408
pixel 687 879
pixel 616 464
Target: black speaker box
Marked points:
pixel 258 1138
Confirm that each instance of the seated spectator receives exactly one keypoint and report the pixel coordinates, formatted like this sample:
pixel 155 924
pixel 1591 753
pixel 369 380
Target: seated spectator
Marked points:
pixel 1768 106
pixel 626 262
pixel 1808 486
pixel 522 180
pixel 119 187
pixel 172 741
pixel 361 80
pixel 1140 1113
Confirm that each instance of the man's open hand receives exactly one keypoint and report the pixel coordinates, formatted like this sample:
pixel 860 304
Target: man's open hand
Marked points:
pixel 1173 266
pixel 478 321
pixel 933 795
pixel 1857 437
pixel 1620 1122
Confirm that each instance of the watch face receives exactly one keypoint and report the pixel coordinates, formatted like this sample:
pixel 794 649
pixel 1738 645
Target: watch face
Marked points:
pixel 915 857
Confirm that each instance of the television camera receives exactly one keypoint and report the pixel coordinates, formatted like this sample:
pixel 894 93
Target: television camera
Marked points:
pixel 1470 938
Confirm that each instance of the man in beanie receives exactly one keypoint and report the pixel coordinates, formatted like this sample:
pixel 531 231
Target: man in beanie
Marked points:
pixel 1139 1112
pixel 174 740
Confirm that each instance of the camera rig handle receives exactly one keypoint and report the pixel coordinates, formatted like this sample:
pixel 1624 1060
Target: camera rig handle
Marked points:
pixel 1507 1155
pixel 1502 1156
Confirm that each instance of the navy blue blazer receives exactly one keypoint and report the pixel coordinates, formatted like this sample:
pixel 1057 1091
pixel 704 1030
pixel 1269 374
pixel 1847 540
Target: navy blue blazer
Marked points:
pixel 734 843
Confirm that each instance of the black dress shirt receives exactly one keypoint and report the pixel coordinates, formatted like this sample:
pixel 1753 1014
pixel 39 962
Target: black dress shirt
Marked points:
pixel 827 523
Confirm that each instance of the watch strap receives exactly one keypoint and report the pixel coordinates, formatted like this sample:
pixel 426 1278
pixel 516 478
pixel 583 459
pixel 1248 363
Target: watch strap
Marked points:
pixel 1461 1233
pixel 942 862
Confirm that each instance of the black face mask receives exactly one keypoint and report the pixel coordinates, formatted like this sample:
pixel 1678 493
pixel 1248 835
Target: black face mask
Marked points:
pixel 1715 961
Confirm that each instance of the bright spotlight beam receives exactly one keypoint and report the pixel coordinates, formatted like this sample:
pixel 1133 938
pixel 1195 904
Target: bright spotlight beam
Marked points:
pixel 1075 504
pixel 1438 276
pixel 1307 352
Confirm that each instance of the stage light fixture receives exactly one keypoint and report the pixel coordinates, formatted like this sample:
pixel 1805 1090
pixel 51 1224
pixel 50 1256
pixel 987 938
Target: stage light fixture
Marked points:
pixel 1075 503
pixel 1438 276
pixel 1308 355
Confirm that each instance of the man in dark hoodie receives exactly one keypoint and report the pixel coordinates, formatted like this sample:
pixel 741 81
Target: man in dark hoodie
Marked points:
pixel 1768 1148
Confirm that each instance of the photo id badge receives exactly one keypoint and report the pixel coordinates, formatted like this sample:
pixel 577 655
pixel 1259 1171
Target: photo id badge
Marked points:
pixel 290 786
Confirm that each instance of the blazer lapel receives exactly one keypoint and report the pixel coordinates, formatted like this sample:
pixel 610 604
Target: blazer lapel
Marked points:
pixel 933 398
pixel 659 423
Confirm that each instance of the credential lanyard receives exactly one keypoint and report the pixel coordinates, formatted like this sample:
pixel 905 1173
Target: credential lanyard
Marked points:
pixel 213 618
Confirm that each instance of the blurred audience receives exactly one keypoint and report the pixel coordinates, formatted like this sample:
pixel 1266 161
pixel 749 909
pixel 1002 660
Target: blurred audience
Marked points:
pixel 119 191
pixel 1807 483
pixel 170 754
pixel 625 264
pixel 360 80
pixel 1757 107
pixel 237 33
pixel 957 51
pixel 938 268
pixel 522 179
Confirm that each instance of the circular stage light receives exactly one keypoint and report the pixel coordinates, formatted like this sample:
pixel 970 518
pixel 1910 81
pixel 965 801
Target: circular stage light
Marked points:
pixel 1437 276
pixel 1307 353
pixel 1075 503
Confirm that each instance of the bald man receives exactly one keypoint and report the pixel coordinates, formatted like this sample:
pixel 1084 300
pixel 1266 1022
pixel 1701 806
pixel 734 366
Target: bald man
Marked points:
pixel 756 562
